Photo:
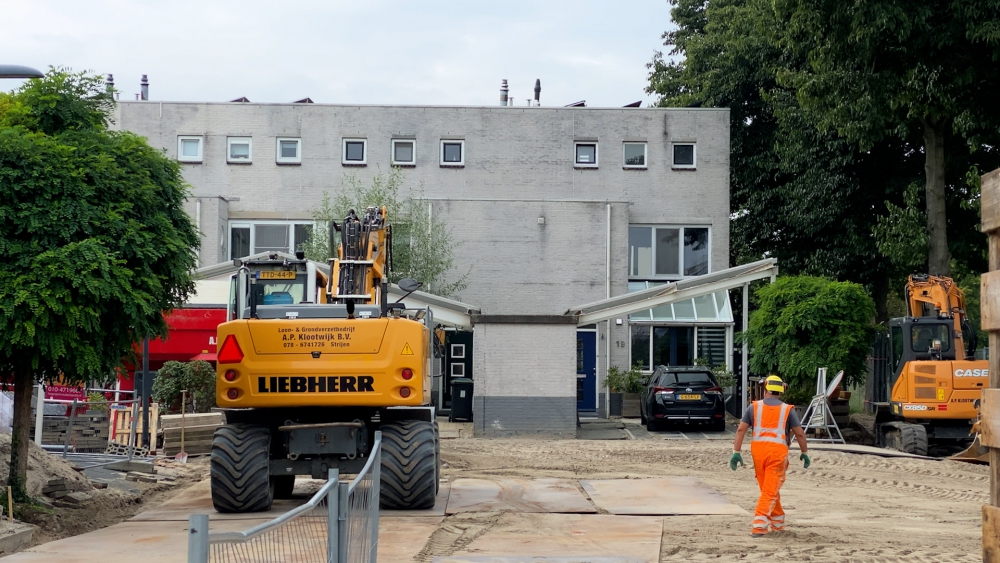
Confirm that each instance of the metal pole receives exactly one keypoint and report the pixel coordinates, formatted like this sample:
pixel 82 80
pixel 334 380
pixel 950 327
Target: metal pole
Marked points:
pixel 198 538
pixel 133 424
pixel 376 495
pixel 744 375
pixel 332 519
pixel 69 428
pixel 145 393
pixel 342 514
pixel 39 413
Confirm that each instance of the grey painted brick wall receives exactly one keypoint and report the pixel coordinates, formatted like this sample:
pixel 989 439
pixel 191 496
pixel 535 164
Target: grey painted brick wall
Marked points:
pixel 519 167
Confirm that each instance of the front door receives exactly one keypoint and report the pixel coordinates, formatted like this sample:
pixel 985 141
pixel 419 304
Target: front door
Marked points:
pixel 586 371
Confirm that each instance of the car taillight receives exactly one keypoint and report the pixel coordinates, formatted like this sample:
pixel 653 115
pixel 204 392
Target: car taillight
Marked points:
pixel 230 351
pixel 404 392
pixel 407 374
pixel 230 375
pixel 662 390
pixel 713 391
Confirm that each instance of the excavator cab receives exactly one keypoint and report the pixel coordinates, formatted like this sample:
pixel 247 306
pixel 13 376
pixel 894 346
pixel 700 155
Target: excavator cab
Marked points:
pixel 919 339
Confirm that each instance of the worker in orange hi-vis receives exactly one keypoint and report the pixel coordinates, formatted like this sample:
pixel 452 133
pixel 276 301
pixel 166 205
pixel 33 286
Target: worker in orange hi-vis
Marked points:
pixel 773 421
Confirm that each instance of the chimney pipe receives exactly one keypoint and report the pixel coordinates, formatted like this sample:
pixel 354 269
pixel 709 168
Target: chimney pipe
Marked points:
pixel 110 83
pixel 503 92
pixel 538 91
pixel 144 87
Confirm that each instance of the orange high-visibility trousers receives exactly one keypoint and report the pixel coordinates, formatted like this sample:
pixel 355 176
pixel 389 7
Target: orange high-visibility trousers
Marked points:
pixel 770 460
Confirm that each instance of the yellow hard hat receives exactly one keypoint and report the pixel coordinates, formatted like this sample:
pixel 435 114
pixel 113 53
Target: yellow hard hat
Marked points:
pixel 774 384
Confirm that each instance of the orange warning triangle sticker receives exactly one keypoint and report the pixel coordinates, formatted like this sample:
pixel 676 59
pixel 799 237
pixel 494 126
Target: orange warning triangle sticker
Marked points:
pixel 406 350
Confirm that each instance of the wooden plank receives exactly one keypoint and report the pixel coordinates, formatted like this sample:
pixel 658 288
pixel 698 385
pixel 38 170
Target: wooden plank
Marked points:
pixel 989 423
pixel 192 428
pixel 991 534
pixel 990 300
pixel 990 184
pixel 198 419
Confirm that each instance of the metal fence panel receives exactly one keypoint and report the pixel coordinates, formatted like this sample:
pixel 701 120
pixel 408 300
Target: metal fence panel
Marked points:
pixel 339 524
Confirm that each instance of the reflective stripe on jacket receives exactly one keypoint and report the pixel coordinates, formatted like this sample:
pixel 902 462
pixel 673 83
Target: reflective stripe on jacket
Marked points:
pixel 769 422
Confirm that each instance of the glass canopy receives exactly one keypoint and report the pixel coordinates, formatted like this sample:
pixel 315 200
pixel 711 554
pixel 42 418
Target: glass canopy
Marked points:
pixel 707 308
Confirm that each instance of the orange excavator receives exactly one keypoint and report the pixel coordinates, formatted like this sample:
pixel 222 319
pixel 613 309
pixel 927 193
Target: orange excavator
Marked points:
pixel 936 382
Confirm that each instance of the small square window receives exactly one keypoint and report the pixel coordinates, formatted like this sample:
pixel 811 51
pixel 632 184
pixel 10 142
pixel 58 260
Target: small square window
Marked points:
pixel 458 351
pixel 586 155
pixel 684 155
pixel 288 150
pixel 404 152
pixel 355 152
pixel 634 155
pixel 239 150
pixel 458 369
pixel 189 148
pixel 452 153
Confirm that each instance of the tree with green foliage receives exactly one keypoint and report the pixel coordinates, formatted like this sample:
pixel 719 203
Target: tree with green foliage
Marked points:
pixel 896 69
pixel 422 245
pixel 804 323
pixel 197 378
pixel 96 245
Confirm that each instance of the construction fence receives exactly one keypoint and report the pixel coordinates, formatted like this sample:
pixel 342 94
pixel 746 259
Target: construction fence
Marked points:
pixel 339 524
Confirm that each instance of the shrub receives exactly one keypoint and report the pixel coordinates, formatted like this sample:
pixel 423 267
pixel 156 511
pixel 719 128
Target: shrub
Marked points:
pixel 805 323
pixel 621 381
pixel 198 378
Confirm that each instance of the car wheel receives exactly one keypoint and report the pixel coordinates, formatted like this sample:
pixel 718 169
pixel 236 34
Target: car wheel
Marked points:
pixel 719 425
pixel 652 425
pixel 642 415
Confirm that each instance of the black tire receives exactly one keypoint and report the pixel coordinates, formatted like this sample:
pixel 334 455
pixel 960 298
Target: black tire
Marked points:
pixel 239 464
pixel 642 414
pixel 283 485
pixel 652 425
pixel 719 425
pixel 437 459
pixel 409 465
pixel 913 438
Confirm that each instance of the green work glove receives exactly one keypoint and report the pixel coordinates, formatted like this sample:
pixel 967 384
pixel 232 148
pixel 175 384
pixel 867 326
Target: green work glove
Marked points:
pixel 805 460
pixel 736 459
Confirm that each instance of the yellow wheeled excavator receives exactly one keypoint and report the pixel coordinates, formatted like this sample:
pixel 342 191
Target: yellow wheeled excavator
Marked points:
pixel 936 382
pixel 310 366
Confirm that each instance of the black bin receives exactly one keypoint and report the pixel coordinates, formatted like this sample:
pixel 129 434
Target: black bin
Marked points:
pixel 461 400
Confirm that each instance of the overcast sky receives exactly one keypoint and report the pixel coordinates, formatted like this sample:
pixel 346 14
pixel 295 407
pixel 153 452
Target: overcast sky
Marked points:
pixel 365 51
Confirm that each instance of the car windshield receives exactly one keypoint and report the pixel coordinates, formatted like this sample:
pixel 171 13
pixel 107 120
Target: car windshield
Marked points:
pixel 694 379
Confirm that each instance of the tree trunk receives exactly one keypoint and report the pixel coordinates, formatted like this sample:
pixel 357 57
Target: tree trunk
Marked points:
pixel 938 256
pixel 20 435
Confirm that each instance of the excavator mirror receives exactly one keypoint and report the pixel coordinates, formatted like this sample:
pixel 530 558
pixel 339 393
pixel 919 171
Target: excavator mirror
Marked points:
pixel 409 285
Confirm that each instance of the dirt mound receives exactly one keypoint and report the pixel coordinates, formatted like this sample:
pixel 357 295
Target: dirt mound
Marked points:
pixel 42 466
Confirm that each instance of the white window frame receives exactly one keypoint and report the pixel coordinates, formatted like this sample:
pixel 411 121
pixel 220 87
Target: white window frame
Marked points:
pixel 297 159
pixel 364 151
pixel 461 143
pixel 694 156
pixel 653 276
pixel 180 150
pixel 244 223
pixel 453 372
pixel 458 351
pixel 645 155
pixel 597 154
pixel 392 153
pixel 229 151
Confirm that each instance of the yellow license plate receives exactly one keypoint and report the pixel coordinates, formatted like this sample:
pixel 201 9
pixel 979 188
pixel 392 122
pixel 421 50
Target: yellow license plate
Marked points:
pixel 689 397
pixel 277 275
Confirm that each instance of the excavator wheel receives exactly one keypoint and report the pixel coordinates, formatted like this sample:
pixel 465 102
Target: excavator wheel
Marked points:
pixel 907 437
pixel 409 465
pixel 240 480
pixel 437 457
pixel 283 485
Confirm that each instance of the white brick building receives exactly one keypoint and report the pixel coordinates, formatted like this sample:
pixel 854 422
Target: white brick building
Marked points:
pixel 549 206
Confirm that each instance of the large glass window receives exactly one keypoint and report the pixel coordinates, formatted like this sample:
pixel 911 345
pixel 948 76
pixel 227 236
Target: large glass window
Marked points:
pixel 239 244
pixel 640 346
pixel 923 337
pixel 668 252
pixel 662 345
pixel 897 345
pixel 712 344
pixel 267 236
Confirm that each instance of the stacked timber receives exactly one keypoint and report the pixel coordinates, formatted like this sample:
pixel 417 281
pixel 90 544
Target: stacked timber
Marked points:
pixel 198 432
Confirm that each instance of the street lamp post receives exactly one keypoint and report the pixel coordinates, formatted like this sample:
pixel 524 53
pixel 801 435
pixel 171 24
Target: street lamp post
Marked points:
pixel 18 71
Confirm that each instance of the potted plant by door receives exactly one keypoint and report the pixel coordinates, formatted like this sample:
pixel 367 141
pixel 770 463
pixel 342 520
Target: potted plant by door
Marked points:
pixel 615 383
pixel 632 388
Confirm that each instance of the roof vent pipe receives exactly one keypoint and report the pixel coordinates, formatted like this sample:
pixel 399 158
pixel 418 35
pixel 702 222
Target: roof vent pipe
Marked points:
pixel 503 92
pixel 538 91
pixel 144 87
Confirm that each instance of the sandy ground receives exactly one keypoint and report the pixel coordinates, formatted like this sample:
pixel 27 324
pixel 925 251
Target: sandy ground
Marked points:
pixel 844 508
